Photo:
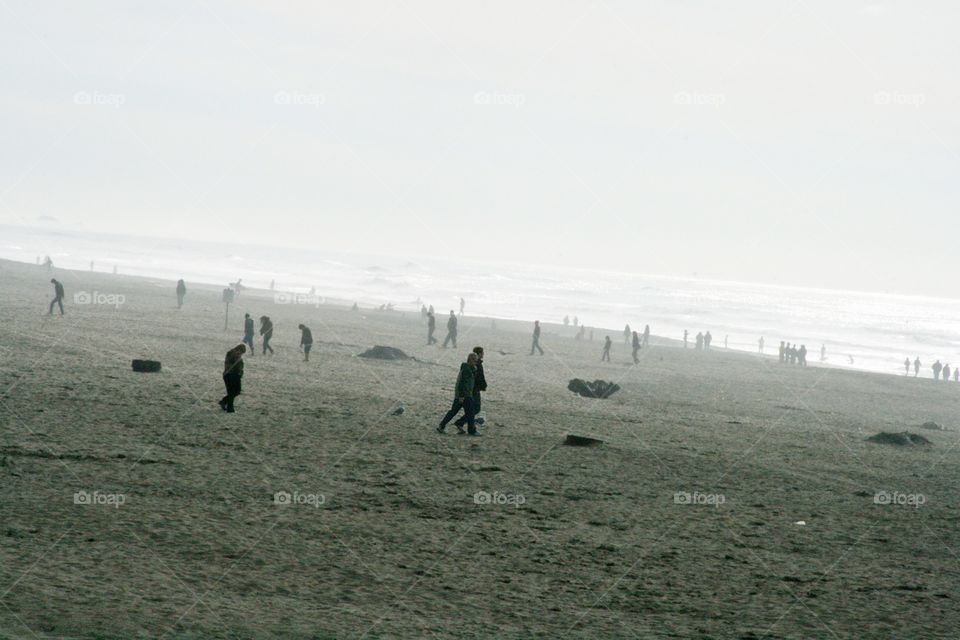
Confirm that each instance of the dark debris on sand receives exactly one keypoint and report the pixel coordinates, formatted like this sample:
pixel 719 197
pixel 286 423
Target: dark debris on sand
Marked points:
pixel 901 439
pixel 595 389
pixel 380 352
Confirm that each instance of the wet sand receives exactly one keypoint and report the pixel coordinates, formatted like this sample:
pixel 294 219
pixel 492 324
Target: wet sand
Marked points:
pixel 385 536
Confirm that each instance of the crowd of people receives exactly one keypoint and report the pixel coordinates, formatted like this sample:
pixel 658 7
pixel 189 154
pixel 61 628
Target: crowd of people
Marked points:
pixel 941 371
pixel 792 354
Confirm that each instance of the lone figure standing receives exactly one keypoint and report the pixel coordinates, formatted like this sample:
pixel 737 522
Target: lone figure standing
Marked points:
pixel 232 375
pixel 606 350
pixel 431 327
pixel 451 330
pixel 536 338
pixel 181 292
pixel 57 296
pixel 306 341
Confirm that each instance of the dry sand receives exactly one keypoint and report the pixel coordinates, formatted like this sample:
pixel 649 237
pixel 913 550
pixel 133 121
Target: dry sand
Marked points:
pixel 598 548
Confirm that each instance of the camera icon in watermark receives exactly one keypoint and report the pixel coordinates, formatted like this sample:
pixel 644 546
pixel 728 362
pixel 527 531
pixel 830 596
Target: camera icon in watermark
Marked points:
pixel 285 498
pixel 99 298
pixel 515 500
pixel 299 99
pixel 697 498
pixel 694 98
pixel 915 500
pixel 499 99
pixel 298 298
pixel 884 98
pixel 96 98
pixel 98 498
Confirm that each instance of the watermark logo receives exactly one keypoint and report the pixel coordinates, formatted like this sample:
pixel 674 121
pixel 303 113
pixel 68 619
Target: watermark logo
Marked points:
pixel 99 499
pixel 509 499
pixel 498 99
pixel 915 500
pixel 694 98
pixel 299 99
pixel 98 99
pixel 709 499
pixel 915 100
pixel 298 298
pixel 97 297
pixel 285 498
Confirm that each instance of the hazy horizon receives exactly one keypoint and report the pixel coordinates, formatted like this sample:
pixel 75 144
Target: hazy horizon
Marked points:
pixel 797 143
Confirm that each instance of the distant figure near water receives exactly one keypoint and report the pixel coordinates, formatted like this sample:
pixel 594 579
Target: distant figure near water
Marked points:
pixel 783 351
pixel 761 344
pixel 181 292
pixel 685 334
pixel 626 334
pixel 536 338
pixel 937 368
pixel 906 367
pixel 57 295
pixel 463 304
pixel 232 376
pixel 451 330
pixel 306 341
pixel 946 373
pixel 916 367
pixel 266 331
pixel 605 357
pixel 699 340
pixel 431 327
pixel 636 347
pixel 646 336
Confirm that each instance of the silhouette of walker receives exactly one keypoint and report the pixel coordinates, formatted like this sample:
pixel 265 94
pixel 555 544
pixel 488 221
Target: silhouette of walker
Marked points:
pixel 536 338
pixel 57 296
pixel 451 331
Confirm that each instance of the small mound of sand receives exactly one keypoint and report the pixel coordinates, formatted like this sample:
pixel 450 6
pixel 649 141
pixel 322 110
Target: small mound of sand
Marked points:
pixel 384 353
pixel 581 441
pixel 900 439
pixel 595 389
pixel 932 426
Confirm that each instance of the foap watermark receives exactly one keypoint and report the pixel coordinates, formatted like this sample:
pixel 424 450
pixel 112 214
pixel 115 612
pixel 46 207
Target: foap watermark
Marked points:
pixel 499 99
pixel 97 297
pixel 915 100
pixel 695 497
pixel 299 99
pixel 695 98
pixel 99 498
pixel 98 99
pixel 285 498
pixel 915 500
pixel 298 298
pixel 509 499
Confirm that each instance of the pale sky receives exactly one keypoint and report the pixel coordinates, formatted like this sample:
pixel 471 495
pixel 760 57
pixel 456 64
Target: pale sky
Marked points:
pixel 798 142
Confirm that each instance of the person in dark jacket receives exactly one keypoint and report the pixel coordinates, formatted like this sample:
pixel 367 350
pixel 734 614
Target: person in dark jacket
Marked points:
pixel 451 330
pixel 181 292
pixel 536 338
pixel 606 350
pixel 479 384
pixel 463 396
pixel 57 296
pixel 306 341
pixel 636 347
pixel 431 327
pixel 266 330
pixel 248 332
pixel 232 375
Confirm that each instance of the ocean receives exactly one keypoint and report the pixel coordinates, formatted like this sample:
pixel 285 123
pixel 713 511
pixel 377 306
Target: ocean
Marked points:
pixel 859 330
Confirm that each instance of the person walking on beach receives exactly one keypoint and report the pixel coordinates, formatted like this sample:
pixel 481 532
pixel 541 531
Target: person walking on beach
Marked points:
pixel 266 331
pixel 823 353
pixel 232 375
pixel 699 340
pixel 463 396
pixel 946 373
pixel 802 355
pixel 248 331
pixel 646 336
pixel 536 338
pixel 761 345
pixel 605 357
pixel 57 296
pixel 707 339
pixel 463 304
pixel 783 352
pixel 479 384
pixel 956 374
pixel 636 347
pixel 626 334
pixel 937 368
pixel 906 367
pixel 685 334
pixel 431 327
pixel 306 341
pixel 451 330
pixel 181 292
pixel 916 367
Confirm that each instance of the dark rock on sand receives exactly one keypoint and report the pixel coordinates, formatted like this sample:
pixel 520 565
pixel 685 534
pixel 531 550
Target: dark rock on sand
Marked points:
pixel 581 441
pixel 146 366
pixel 900 439
pixel 595 389
pixel 932 426
pixel 384 353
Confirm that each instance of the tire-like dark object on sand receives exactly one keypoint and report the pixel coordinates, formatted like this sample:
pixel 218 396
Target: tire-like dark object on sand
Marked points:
pixel 146 366
pixel 581 441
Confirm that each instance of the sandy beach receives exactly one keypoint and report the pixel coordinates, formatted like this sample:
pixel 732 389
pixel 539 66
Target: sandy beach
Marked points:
pixel 683 524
